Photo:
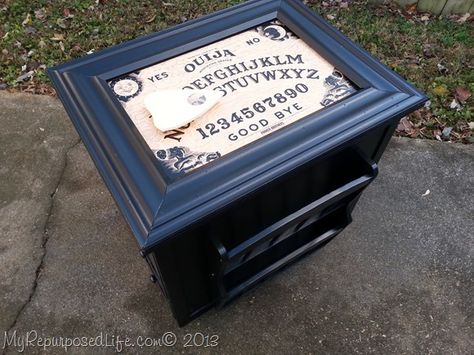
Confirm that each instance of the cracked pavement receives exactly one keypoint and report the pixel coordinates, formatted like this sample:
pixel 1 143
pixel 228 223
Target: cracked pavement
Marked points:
pixel 34 139
pixel 399 279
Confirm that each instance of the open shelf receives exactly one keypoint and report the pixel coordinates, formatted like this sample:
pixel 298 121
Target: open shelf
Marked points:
pixel 245 261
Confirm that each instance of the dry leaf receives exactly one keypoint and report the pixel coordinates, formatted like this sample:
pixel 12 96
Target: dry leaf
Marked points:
pixel 414 133
pixel 66 12
pixel 440 90
pixel 57 37
pixel 411 9
pixel 405 126
pixel 462 93
pixel 76 47
pixel 151 19
pixel 27 20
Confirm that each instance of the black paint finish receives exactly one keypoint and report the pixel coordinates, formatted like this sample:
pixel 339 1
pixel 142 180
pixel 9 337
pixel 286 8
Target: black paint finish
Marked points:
pixel 224 227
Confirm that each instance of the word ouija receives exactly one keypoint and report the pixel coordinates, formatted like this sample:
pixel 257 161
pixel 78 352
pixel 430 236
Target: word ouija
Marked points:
pixel 207 57
pixel 233 70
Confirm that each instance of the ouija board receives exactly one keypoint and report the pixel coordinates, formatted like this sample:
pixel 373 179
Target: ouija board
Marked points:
pixel 268 77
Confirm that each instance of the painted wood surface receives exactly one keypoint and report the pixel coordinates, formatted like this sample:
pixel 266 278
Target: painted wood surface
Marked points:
pixel 406 2
pixel 457 6
pixel 440 7
pixel 433 6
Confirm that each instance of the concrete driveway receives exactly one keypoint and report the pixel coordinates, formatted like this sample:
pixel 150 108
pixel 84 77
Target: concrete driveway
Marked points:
pixel 399 279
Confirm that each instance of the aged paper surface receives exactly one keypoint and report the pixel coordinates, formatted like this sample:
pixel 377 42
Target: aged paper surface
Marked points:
pixel 268 77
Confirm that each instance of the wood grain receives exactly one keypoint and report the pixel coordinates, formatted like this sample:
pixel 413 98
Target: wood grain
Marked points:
pixel 406 2
pixel 457 7
pixel 433 6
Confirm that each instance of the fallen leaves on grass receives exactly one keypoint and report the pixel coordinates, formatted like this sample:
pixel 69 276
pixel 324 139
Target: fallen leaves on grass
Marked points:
pixel 35 88
pixel 424 124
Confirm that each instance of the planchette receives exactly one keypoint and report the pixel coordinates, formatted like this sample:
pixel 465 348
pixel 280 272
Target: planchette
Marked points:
pixel 172 109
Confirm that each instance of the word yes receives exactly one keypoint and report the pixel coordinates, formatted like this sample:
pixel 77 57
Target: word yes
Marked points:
pixel 158 77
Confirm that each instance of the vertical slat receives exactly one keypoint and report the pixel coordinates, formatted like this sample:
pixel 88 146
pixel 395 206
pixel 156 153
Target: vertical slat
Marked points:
pixel 406 2
pixel 457 7
pixel 438 7
pixel 433 6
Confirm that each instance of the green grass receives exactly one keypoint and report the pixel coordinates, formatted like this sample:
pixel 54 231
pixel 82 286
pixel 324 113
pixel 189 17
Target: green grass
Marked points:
pixel 40 33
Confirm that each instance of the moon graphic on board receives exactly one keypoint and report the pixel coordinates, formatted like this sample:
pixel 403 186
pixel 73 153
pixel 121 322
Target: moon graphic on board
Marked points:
pixel 274 32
